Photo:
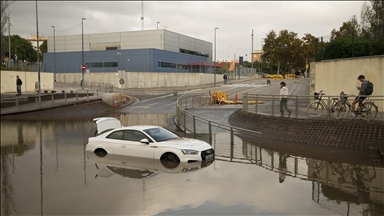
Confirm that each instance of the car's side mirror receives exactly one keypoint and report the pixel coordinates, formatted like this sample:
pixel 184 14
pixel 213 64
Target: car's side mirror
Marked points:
pixel 145 140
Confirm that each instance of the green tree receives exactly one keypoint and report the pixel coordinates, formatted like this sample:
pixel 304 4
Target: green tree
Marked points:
pixel 372 19
pixel 282 50
pixel 347 29
pixel 4 5
pixel 43 49
pixel 21 49
pixel 308 49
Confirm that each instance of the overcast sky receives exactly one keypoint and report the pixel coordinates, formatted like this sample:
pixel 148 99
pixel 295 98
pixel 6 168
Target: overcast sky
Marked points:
pixel 234 19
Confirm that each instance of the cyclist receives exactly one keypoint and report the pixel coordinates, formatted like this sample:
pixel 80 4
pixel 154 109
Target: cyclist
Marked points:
pixel 361 97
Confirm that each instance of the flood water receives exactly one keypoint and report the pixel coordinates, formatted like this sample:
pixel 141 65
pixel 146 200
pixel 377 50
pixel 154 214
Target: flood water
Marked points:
pixel 45 170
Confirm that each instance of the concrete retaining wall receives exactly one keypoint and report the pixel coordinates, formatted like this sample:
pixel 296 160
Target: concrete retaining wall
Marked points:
pixel 8 80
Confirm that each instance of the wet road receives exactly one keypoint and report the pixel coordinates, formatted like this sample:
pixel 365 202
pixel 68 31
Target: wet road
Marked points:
pixel 46 171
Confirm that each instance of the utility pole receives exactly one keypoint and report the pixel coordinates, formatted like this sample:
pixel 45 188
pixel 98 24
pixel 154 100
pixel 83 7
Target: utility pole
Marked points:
pixel 252 51
pixel 54 54
pixel 38 55
pixel 82 53
pixel 142 15
pixel 9 41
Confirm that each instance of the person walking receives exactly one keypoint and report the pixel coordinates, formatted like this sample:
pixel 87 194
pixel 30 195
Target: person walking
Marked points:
pixel 18 85
pixel 284 99
pixel 225 78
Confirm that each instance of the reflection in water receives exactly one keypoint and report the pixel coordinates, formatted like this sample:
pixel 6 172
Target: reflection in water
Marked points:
pixel 350 183
pixel 66 174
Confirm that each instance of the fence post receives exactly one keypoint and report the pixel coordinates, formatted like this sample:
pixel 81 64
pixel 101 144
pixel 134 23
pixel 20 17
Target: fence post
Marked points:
pixel 245 102
pixel 87 96
pixel 77 97
pixel 232 144
pixel 257 104
pixel 185 126
pixel 210 132
pixel 53 101
pixel 194 126
pixel 297 106
pixel 37 104
pixel 65 97
pixel 17 104
pixel 330 108
pixel 273 105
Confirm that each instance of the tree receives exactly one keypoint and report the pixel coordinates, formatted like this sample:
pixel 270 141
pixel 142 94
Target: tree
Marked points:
pixel 21 49
pixel 308 49
pixel 282 50
pixel 372 19
pixel 43 49
pixel 4 5
pixel 347 29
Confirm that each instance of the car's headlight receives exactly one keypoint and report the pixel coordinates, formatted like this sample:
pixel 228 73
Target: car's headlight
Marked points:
pixel 189 152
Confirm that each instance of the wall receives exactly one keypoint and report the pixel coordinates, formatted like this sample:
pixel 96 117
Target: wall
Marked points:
pixel 143 79
pixel 8 81
pixel 334 76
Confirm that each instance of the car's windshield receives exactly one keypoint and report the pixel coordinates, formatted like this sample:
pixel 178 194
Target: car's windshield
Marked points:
pixel 160 134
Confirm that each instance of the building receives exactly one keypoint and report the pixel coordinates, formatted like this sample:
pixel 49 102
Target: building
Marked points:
pixel 156 50
pixel 33 41
pixel 256 55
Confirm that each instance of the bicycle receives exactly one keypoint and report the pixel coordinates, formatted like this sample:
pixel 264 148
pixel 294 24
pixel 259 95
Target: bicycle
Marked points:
pixel 367 110
pixel 316 108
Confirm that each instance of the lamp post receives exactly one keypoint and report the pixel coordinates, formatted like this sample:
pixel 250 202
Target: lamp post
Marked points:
pixel 127 64
pixel 214 78
pixel 82 53
pixel 54 54
pixel 118 60
pixel 261 51
pixel 252 51
pixel 9 41
pixel 158 25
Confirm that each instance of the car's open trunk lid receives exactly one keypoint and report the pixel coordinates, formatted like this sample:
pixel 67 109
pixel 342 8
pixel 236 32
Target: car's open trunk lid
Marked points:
pixel 106 123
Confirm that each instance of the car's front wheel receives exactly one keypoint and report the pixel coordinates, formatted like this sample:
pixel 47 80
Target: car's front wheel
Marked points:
pixel 170 160
pixel 100 152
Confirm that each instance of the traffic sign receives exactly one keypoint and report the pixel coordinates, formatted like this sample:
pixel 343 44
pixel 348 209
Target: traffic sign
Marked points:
pixel 83 67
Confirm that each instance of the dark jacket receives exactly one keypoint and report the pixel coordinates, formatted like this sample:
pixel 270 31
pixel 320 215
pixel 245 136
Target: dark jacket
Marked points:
pixel 364 85
pixel 19 82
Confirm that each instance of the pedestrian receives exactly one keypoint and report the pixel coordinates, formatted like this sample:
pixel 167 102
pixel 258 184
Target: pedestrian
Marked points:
pixel 18 85
pixel 305 74
pixel 225 78
pixel 282 166
pixel 284 99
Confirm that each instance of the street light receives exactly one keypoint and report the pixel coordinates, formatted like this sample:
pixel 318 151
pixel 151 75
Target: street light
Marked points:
pixel 127 64
pixel 82 53
pixel 252 51
pixel 158 25
pixel 54 54
pixel 118 60
pixel 261 51
pixel 9 41
pixel 214 79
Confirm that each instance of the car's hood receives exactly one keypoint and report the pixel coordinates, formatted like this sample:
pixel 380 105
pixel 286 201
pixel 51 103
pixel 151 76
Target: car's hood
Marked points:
pixel 186 143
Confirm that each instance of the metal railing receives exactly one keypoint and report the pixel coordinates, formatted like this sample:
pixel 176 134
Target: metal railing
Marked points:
pixel 221 136
pixel 93 86
pixel 270 105
pixel 31 102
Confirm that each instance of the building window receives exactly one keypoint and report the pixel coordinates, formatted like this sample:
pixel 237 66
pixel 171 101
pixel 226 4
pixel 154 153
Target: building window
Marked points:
pixel 171 65
pixel 193 52
pixel 110 64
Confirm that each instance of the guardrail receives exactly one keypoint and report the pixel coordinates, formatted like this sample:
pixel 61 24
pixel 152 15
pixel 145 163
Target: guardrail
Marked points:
pixel 299 104
pixel 103 87
pixel 222 137
pixel 31 102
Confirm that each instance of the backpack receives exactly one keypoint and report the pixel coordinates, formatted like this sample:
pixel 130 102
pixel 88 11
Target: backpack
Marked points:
pixel 369 88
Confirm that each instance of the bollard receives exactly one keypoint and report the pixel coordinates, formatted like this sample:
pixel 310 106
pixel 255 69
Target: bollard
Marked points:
pixel 53 101
pixel 65 97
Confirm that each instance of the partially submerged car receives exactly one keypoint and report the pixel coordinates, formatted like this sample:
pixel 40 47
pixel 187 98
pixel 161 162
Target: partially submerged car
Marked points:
pixel 146 141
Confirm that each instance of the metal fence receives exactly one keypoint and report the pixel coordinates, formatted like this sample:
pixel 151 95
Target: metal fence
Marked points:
pixel 222 137
pixel 270 105
pixel 94 86
pixel 29 103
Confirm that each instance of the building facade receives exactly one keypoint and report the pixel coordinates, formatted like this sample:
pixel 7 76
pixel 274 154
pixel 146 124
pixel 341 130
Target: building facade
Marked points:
pixel 136 51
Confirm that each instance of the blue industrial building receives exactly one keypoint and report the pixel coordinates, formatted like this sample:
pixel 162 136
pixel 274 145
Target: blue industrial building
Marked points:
pixel 139 51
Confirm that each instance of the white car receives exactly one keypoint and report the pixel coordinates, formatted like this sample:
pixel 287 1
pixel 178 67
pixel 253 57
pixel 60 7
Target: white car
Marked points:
pixel 146 141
